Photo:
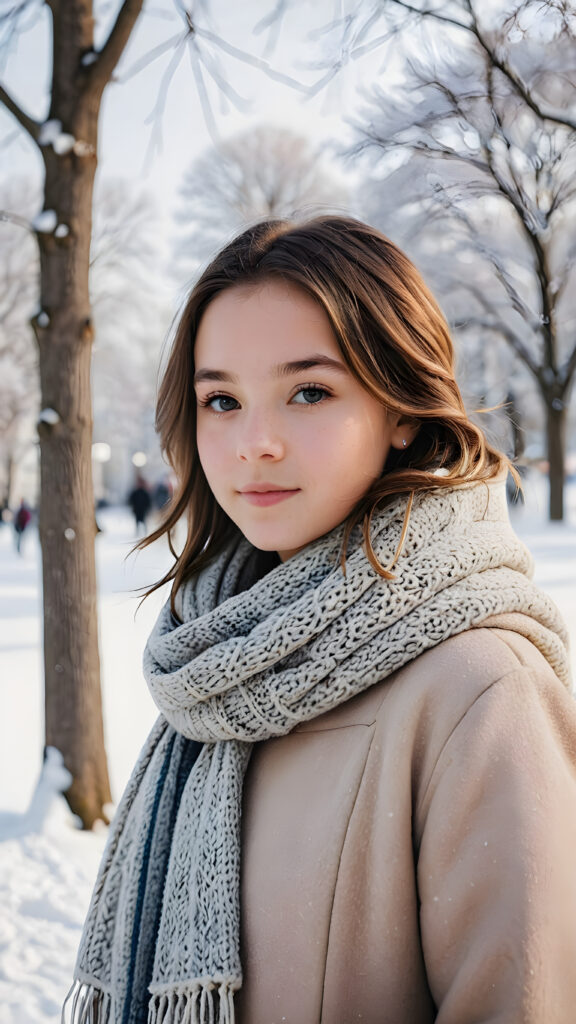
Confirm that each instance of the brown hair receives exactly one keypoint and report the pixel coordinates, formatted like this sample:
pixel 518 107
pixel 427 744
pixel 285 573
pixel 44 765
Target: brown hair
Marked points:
pixel 393 337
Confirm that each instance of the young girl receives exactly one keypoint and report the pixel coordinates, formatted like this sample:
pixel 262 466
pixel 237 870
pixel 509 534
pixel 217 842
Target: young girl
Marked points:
pixel 359 800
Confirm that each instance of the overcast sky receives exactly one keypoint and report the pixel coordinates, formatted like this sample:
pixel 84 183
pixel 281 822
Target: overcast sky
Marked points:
pixel 127 141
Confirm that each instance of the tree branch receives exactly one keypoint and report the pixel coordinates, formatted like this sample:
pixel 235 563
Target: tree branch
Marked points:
pixel 567 267
pixel 247 58
pixel 31 126
pixel 517 303
pixel 568 372
pixel 437 151
pixel 521 195
pixel 108 57
pixel 550 114
pixel 437 15
pixel 511 338
pixel 534 238
pixel 14 218
pixel 557 115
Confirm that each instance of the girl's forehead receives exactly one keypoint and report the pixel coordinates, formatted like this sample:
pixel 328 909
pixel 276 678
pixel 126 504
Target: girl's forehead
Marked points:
pixel 271 295
pixel 266 316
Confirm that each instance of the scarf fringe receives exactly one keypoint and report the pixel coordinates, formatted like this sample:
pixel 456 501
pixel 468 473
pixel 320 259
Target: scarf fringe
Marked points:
pixel 202 1004
pixel 89 1005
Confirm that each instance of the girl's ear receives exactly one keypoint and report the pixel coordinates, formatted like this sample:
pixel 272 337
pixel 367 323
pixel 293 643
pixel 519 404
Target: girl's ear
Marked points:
pixel 404 430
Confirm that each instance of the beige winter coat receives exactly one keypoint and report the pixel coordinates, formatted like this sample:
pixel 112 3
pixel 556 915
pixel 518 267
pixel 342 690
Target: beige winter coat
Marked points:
pixel 411 856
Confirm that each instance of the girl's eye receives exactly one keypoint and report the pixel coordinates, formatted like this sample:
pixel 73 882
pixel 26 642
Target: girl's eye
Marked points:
pixel 310 395
pixel 220 403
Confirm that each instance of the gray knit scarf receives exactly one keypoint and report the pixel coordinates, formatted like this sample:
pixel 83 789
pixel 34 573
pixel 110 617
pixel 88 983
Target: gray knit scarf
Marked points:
pixel 252 658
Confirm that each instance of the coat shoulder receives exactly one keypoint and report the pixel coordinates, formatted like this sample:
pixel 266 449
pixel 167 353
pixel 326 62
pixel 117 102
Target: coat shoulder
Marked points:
pixel 454 674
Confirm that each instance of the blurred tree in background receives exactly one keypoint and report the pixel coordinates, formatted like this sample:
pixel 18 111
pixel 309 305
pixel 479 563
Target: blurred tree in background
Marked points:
pixel 131 313
pixel 265 172
pixel 474 160
pixel 19 390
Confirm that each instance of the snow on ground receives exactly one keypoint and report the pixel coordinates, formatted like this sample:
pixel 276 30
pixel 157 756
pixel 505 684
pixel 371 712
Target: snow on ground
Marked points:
pixel 47 866
pixel 46 876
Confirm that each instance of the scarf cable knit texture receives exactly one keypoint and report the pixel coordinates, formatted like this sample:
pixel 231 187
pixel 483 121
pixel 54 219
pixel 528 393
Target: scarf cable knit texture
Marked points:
pixel 162 935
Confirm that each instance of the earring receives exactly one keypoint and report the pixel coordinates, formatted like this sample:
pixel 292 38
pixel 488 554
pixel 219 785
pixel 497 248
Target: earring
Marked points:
pixel 403 442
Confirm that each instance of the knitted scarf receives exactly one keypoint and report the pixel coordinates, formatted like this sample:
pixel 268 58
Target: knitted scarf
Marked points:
pixel 254 656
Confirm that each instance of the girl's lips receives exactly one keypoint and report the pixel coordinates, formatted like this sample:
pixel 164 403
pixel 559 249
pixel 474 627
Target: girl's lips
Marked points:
pixel 263 498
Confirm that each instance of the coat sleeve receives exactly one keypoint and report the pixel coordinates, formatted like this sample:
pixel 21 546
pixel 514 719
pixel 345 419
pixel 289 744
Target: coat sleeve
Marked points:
pixel 497 859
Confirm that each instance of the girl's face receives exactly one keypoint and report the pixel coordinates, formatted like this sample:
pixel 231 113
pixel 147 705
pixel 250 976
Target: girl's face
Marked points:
pixel 288 439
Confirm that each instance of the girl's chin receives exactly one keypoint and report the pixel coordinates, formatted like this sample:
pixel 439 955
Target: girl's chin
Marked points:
pixel 284 544
pixel 286 538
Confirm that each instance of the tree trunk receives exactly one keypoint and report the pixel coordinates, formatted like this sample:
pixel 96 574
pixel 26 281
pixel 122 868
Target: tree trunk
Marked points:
pixel 63 331
pixel 67 526
pixel 556 443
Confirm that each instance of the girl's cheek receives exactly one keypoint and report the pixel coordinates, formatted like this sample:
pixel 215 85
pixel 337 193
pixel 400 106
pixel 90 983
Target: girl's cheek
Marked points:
pixel 215 448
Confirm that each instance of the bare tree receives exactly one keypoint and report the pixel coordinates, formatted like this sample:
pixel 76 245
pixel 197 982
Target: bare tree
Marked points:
pixel 263 172
pixel 478 161
pixel 394 29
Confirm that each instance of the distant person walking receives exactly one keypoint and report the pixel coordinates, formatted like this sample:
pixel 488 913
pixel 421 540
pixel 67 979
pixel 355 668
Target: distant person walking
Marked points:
pixel 21 522
pixel 140 503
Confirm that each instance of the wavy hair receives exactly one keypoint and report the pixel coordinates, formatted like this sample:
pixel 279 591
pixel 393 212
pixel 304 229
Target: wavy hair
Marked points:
pixel 394 339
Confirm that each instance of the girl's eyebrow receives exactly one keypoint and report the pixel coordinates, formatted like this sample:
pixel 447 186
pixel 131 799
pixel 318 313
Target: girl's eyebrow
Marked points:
pixel 281 370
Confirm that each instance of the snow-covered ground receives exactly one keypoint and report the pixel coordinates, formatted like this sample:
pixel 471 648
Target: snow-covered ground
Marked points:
pixel 47 866
pixel 46 875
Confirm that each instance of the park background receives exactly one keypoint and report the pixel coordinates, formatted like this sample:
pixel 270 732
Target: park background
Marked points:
pixel 449 125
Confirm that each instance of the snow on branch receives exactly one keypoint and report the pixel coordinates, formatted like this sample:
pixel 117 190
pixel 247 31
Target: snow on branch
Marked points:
pixel 497 53
pixel 49 416
pixel 45 222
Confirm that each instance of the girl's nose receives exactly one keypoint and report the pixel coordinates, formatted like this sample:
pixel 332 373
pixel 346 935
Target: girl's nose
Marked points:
pixel 259 438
